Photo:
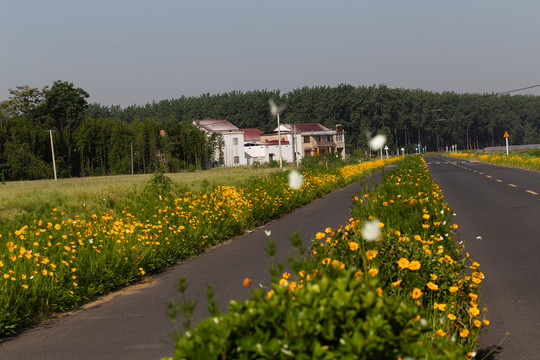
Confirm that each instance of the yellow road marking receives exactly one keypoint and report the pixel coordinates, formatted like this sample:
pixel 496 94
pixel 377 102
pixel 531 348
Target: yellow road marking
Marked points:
pixel 499 180
pixel 481 173
pixel 531 192
pixel 512 185
pixel 489 176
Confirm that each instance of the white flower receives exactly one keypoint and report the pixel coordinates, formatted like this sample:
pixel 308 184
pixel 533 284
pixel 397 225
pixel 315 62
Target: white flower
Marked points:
pixel 268 232
pixel 478 238
pixel 295 180
pixel 91 241
pixel 371 230
pixel 377 142
pixel 274 109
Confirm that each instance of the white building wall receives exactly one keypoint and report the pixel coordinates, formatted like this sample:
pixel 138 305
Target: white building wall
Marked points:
pixel 233 150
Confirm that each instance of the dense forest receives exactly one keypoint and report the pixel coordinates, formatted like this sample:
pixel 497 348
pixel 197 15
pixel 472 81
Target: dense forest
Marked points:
pixel 93 139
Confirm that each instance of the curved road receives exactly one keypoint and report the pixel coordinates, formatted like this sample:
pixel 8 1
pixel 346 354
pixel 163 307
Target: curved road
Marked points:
pixel 498 213
pixel 132 323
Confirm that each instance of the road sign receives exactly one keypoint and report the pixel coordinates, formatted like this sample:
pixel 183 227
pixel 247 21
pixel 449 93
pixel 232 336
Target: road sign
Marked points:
pixel 506 134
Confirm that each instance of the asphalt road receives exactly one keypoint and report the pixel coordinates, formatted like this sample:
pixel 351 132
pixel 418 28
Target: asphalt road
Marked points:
pixel 498 214
pixel 132 323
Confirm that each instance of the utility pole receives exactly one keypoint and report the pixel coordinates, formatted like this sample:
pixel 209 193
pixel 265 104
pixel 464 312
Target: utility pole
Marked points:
pixel 132 158
pixel 52 151
pixel 275 110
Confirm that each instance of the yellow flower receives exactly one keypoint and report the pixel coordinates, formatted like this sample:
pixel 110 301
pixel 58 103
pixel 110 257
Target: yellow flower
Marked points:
pixel 269 294
pixel 328 230
pixel 57 226
pixel 74 284
pixel 353 246
pixel 432 286
pixel 453 289
pixel 452 317
pixel 425 217
pixel 486 322
pixel 403 263
pixel 440 332
pixel 326 261
pixel 474 311
pixel 25 286
pixel 441 307
pixel 396 283
pixel 320 235
pixel 338 264
pixel 416 293
pixel 433 277
pixel 371 254
pixel 379 291
pixel 373 271
pixel 286 275
pixel 477 323
pixel 464 333
pixel 414 265
pixel 283 282
pixel 358 275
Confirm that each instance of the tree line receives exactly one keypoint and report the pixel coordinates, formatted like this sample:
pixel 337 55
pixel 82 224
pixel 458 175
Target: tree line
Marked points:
pixel 93 139
pixel 408 117
pixel 89 146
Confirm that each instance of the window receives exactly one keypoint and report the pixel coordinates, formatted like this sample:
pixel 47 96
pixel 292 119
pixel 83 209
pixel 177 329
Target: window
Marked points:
pixel 306 140
pixel 236 160
pixel 235 141
pixel 329 138
pixel 339 137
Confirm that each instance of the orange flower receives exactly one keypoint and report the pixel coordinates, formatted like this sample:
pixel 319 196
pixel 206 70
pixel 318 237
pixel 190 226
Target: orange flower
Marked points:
pixel 416 293
pixel 247 282
pixel 353 246
pixel 371 254
pixel 414 265
pixel 403 263
pixel 432 286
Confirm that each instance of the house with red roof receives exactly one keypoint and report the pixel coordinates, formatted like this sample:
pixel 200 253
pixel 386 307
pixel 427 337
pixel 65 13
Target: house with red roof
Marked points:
pixel 309 139
pixel 251 145
pixel 232 152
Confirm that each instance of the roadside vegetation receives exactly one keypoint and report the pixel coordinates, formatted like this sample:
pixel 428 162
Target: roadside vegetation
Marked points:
pixel 63 255
pixel 527 159
pixel 391 284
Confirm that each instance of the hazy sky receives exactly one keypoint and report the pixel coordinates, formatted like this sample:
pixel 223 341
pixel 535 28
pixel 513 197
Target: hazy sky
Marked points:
pixel 133 52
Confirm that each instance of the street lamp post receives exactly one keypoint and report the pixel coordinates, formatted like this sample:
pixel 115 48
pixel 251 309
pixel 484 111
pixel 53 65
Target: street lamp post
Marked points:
pixel 275 111
pixel 52 152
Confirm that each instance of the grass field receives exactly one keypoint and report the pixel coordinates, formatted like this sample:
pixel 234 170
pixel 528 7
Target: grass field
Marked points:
pixel 23 200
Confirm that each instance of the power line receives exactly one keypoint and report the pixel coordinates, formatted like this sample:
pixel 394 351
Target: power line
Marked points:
pixel 525 88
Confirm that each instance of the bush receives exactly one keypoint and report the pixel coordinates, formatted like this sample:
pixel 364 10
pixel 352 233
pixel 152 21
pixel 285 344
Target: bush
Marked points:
pixel 342 318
